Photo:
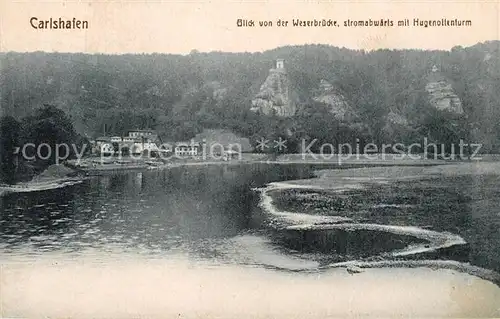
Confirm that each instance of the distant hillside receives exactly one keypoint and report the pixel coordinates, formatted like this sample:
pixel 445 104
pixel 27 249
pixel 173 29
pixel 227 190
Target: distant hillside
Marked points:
pixel 337 93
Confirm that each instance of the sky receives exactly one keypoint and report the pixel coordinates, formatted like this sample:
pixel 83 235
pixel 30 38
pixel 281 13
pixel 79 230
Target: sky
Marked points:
pixel 139 26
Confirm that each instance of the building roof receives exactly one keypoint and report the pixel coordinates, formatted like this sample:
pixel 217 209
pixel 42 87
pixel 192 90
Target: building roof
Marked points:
pixel 149 137
pixel 132 140
pixel 189 143
pixel 103 139
pixel 141 131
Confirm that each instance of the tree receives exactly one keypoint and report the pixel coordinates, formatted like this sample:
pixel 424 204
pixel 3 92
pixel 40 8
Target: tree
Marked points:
pixel 215 90
pixel 50 126
pixel 9 141
pixel 116 147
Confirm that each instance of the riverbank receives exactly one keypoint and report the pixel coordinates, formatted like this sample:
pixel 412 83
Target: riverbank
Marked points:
pixel 98 165
pixel 55 176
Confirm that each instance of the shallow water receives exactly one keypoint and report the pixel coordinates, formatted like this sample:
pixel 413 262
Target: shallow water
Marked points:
pixel 462 205
pixel 230 217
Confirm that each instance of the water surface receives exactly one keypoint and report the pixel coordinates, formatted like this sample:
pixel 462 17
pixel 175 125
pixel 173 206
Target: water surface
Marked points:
pixel 190 240
pixel 209 212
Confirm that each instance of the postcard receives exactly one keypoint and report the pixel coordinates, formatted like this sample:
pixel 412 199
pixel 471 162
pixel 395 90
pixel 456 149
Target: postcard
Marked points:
pixel 249 159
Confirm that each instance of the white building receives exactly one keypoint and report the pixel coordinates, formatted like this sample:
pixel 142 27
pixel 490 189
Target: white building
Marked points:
pixel 129 139
pixel 141 133
pixel 137 142
pixel 140 147
pixel 280 64
pixel 184 149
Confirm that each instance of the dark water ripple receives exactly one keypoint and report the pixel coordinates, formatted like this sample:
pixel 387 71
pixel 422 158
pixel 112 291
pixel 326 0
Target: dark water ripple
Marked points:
pixel 204 212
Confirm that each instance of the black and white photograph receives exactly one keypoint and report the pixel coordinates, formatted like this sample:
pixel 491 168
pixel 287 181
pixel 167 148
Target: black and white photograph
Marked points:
pixel 249 160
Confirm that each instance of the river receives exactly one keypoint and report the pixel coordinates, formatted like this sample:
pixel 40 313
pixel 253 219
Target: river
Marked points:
pixel 214 215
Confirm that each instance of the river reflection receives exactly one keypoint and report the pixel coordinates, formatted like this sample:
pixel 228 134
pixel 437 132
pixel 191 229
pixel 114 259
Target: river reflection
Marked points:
pixel 211 212
pixel 182 208
pixel 199 242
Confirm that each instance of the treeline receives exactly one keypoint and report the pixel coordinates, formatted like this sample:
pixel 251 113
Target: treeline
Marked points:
pixel 180 95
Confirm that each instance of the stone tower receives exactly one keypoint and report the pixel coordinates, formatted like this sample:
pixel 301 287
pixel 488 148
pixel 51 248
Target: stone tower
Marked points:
pixel 280 64
pixel 273 96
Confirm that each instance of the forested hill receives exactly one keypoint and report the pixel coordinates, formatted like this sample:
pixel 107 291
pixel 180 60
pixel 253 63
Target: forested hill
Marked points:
pixel 392 94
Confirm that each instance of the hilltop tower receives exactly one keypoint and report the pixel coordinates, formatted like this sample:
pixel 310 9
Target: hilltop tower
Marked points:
pixel 280 64
pixel 273 96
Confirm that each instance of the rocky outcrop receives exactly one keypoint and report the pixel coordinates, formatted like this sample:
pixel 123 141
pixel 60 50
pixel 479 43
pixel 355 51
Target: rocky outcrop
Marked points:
pixel 218 91
pixel 335 100
pixel 397 119
pixel 273 96
pixel 441 94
